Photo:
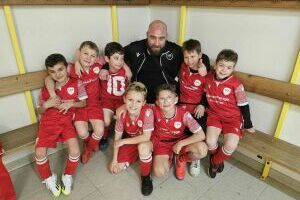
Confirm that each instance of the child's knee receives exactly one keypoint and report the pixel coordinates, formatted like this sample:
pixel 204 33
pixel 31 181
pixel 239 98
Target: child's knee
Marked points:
pixel 82 133
pixel 39 154
pixel 159 171
pixel 202 149
pixel 144 149
pixel 230 147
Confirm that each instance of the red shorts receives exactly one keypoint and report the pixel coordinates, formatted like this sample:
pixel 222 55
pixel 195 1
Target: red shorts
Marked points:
pixel 163 147
pixel 90 112
pixel 232 125
pixel 51 132
pixel 128 153
pixel 112 104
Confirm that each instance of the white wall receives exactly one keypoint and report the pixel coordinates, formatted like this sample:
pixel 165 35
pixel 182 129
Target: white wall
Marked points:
pixel 267 41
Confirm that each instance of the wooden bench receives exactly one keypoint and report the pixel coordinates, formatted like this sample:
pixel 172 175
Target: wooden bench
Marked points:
pixel 258 147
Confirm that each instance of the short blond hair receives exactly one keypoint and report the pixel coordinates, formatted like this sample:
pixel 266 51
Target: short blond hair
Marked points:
pixel 137 87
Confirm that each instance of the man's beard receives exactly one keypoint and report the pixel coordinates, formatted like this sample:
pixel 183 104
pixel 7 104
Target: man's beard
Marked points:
pixel 154 51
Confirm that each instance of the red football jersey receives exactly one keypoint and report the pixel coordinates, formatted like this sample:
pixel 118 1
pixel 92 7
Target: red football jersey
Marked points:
pixel 168 129
pixel 144 122
pixel 191 86
pixel 115 86
pixel 72 90
pixel 90 79
pixel 224 97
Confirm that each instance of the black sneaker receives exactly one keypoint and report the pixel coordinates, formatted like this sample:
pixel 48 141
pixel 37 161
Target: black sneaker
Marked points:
pixel 147 186
pixel 212 170
pixel 221 167
pixel 103 144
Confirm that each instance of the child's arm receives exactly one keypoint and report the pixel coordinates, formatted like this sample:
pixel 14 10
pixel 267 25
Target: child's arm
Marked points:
pixel 128 72
pixel 245 110
pixel 196 137
pixel 200 109
pixel 135 140
pixel 50 85
pixel 114 163
pixel 51 102
pixel 66 105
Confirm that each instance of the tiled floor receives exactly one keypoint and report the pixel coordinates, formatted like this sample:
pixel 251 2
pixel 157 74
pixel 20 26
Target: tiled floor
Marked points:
pixel 93 181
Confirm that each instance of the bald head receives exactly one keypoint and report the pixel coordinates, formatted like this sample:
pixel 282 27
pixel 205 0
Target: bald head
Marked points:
pixel 156 36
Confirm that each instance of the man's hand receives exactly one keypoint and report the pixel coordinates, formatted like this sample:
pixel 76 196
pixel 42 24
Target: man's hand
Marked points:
pixel 201 68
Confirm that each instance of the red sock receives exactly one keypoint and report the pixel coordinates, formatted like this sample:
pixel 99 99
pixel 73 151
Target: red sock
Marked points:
pixel 220 156
pixel 106 132
pixel 93 142
pixel 6 187
pixel 71 165
pixel 145 166
pixel 43 168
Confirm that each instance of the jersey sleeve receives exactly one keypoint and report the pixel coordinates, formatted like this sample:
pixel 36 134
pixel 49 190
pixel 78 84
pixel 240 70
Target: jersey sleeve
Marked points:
pixel 44 96
pixel 148 120
pixel 191 123
pixel 240 95
pixel 81 91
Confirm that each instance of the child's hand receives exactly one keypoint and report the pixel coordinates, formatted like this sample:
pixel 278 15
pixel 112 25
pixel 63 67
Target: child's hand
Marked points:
pixel 202 69
pixel 177 147
pixel 78 69
pixel 121 111
pixel 199 111
pixel 128 72
pixel 52 102
pixel 103 74
pixel 114 167
pixel 250 130
pixel 65 106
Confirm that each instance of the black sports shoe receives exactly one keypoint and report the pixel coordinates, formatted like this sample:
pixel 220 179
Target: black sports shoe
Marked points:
pixel 147 186
pixel 103 144
pixel 212 170
pixel 221 167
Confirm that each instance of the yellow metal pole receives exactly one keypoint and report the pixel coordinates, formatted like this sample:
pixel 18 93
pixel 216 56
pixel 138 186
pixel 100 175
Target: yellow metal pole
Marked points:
pixel 282 117
pixel 114 20
pixel 181 37
pixel 19 59
pixel 286 106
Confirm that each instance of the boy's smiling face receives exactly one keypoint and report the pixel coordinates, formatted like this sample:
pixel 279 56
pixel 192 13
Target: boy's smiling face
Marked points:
pixel 87 56
pixel 58 73
pixel 134 102
pixel 166 100
pixel 224 69
pixel 115 61
pixel 191 59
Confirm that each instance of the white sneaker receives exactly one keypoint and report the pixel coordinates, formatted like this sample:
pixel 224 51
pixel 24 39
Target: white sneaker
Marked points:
pixel 195 168
pixel 52 186
pixel 67 181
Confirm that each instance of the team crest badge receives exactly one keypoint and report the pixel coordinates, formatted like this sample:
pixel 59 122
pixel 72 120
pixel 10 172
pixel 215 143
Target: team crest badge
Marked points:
pixel 70 90
pixel 137 54
pixel 177 125
pixel 226 91
pixel 169 56
pixel 96 70
pixel 140 123
pixel 197 82
pixel 147 113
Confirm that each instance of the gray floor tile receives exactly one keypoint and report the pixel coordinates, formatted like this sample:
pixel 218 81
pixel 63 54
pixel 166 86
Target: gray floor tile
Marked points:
pixel 272 193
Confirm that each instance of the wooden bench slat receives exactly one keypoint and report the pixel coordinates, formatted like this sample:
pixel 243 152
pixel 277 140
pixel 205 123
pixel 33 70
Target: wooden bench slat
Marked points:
pixel 19 137
pixel 276 89
pixel 20 83
pixel 278 150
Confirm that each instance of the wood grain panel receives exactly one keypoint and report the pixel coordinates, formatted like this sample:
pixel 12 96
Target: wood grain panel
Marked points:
pixel 74 2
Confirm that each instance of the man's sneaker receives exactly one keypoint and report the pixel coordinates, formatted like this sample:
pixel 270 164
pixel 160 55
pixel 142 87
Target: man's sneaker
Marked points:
pixel 85 155
pixel 180 167
pixel 221 167
pixel 103 144
pixel 147 186
pixel 212 170
pixel 195 168
pixel 67 181
pixel 52 186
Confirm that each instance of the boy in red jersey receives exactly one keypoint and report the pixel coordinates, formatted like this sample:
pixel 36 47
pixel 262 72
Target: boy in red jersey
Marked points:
pixel 7 191
pixel 191 79
pixel 56 123
pixel 137 126
pixel 228 110
pixel 113 88
pixel 93 113
pixel 169 137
